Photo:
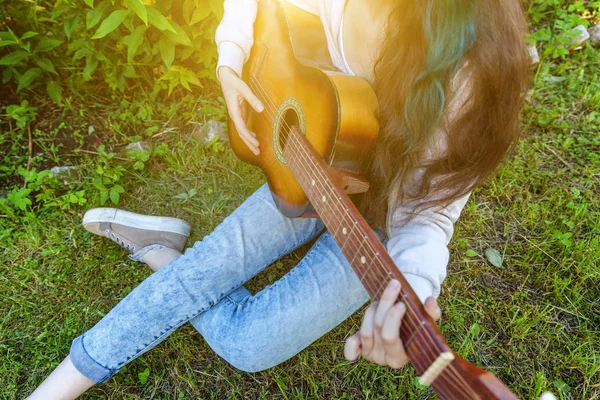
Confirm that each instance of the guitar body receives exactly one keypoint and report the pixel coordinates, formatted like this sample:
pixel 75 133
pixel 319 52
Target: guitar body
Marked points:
pixel 290 71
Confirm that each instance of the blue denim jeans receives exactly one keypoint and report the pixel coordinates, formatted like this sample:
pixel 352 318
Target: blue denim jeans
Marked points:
pixel 204 286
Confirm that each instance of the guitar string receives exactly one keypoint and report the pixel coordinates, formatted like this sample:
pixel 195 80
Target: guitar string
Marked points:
pixel 376 258
pixel 426 348
pixel 417 343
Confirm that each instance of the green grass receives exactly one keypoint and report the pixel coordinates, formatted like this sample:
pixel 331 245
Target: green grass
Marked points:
pixel 535 323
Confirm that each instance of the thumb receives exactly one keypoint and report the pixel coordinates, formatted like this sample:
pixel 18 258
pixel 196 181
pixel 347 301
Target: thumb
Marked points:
pixel 352 347
pixel 432 308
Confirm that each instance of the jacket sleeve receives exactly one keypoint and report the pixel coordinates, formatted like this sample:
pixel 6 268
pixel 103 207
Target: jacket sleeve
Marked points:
pixel 235 33
pixel 420 247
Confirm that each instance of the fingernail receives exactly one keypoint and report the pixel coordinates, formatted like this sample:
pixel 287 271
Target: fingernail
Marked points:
pixel 401 306
pixel 259 107
pixel 394 284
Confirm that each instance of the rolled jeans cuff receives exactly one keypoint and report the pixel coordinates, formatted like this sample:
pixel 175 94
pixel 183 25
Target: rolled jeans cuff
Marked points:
pixel 86 365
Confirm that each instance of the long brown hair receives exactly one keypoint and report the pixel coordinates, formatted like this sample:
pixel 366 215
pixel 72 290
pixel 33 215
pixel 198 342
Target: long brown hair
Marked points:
pixel 453 72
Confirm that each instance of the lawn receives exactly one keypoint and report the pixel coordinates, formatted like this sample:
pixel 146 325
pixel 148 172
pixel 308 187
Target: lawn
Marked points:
pixel 534 321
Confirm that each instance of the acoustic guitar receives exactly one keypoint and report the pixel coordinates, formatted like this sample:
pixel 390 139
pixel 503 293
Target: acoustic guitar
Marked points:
pixel 316 133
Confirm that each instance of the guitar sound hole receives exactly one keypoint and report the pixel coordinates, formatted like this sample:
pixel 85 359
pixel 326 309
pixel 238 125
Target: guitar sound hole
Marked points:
pixel 289 114
pixel 289 119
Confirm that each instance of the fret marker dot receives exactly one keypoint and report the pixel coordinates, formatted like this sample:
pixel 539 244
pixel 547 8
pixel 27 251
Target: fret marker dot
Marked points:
pixel 313 182
pixel 324 199
pixel 363 259
pixel 344 231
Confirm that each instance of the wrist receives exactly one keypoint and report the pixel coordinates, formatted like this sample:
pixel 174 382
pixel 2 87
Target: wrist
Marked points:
pixel 224 72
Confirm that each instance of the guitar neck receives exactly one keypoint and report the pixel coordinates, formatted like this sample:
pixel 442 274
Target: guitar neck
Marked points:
pixel 363 250
pixel 424 343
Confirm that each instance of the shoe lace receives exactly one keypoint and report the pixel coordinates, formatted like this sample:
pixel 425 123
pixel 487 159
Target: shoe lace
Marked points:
pixel 119 241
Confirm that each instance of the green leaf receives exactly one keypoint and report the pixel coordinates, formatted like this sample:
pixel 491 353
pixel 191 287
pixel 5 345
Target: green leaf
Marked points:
pixel 70 24
pixel 471 253
pixel 54 91
pixel 81 53
pixel 28 35
pixel 47 45
pixel 186 53
pixel 47 65
pixel 139 8
pixel 114 196
pixel 494 257
pixel 475 330
pixel 89 3
pixel 158 20
pixel 205 56
pixel 186 77
pixel 111 23
pixel 6 42
pixel 93 17
pixel 217 8
pixel 7 36
pixel 562 386
pixel 103 197
pixel 98 185
pixel 138 165
pixel 14 58
pixel 18 198
pixel 202 11
pixel 28 77
pixel 180 36
pixel 91 63
pixel 134 41
pixel 188 10
pixel 143 376
pixel 167 51
pixel 129 22
pixel 173 82
pixel 7 75
pixel 115 193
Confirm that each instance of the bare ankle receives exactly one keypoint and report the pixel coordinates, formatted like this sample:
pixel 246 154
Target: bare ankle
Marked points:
pixel 64 383
pixel 159 258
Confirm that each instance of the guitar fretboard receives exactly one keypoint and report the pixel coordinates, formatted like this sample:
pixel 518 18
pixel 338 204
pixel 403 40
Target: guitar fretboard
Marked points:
pixel 371 262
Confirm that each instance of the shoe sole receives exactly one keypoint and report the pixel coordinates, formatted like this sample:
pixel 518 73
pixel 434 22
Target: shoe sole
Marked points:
pixel 133 220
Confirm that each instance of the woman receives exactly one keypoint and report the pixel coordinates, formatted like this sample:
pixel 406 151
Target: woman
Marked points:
pixel 449 76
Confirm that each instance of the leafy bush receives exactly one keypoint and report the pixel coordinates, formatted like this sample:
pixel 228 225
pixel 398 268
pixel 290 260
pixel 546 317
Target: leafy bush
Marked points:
pixel 136 53
pixel 554 22
pixel 161 44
